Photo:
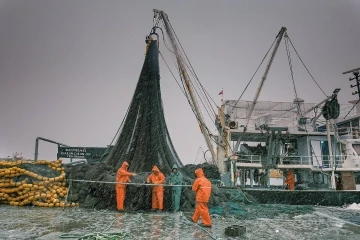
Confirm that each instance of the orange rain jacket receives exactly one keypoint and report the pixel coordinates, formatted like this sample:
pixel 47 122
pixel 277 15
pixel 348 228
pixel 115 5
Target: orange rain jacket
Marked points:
pixel 123 175
pixel 156 178
pixel 202 187
pixel 290 179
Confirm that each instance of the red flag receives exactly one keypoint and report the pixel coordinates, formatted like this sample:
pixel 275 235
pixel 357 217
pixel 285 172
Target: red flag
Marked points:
pixel 220 93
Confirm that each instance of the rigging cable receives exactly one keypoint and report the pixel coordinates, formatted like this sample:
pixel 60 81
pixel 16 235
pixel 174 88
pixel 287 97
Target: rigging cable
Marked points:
pixel 199 118
pixel 352 108
pixel 292 73
pixel 196 91
pixel 193 72
pixel 197 155
pixel 232 110
pixel 205 156
pixel 211 117
pixel 183 89
pixel 185 93
pixel 207 104
pixel 209 132
pixel 181 59
pixel 120 127
pixel 306 67
pixel 191 67
pixel 234 106
pixel 287 40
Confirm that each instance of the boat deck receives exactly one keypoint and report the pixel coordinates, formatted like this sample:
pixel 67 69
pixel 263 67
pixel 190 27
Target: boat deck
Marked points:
pixel 298 162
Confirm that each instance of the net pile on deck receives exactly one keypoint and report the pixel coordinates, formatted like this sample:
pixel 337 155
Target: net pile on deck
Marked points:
pixel 41 183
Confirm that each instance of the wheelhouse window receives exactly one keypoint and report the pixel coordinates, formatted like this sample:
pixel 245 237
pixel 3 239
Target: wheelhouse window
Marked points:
pixel 356 148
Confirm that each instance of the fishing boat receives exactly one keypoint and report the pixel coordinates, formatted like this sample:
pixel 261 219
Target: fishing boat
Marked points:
pixel 260 145
pixel 291 152
pixel 258 141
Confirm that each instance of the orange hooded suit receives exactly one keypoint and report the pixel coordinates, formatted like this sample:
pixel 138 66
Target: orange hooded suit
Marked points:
pixel 290 180
pixel 158 191
pixel 202 187
pixel 123 176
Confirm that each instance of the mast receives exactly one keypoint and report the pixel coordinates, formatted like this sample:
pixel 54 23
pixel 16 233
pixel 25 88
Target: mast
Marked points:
pixel 279 38
pixel 186 78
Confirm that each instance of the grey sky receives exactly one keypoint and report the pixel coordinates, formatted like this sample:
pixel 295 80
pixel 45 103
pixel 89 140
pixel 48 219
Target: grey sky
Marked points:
pixel 68 69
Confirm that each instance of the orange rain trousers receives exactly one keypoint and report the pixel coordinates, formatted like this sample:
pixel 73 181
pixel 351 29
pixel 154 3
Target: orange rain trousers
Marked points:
pixel 157 196
pixel 157 199
pixel 122 176
pixel 202 211
pixel 202 187
pixel 290 180
pixel 120 196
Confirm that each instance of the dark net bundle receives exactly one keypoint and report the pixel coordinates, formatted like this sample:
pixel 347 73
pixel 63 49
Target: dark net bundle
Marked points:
pixel 144 141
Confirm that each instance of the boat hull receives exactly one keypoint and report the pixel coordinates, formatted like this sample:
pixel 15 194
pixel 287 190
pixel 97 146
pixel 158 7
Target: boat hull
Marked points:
pixel 305 197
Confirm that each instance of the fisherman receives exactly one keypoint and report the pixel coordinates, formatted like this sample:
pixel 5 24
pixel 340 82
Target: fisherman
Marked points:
pixel 156 177
pixel 122 176
pixel 202 187
pixel 290 180
pixel 338 183
pixel 175 178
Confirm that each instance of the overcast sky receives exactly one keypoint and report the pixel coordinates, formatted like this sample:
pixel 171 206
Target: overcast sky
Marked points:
pixel 68 69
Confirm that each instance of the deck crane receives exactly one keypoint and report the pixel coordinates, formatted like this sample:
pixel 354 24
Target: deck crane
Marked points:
pixel 162 16
pixel 256 97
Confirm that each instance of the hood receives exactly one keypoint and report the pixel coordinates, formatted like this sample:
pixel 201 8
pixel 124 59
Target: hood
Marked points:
pixel 125 164
pixel 174 166
pixel 155 169
pixel 199 173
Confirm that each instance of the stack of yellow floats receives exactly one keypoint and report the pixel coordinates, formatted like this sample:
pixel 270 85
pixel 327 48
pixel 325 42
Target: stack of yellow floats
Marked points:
pixel 33 189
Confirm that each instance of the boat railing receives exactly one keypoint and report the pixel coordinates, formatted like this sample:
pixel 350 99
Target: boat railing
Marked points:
pixel 251 158
pixel 351 132
pixel 313 161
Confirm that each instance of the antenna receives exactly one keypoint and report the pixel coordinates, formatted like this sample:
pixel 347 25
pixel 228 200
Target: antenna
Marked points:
pixel 356 77
pixel 352 71
pixel 355 72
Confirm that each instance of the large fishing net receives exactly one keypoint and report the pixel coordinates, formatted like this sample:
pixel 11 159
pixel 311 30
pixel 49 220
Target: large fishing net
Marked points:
pixel 143 141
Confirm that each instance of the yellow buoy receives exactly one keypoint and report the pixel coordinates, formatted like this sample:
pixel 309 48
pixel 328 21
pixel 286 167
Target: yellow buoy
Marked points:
pixel 34 189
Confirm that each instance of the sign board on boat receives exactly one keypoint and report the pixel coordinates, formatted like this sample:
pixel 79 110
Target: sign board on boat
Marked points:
pixel 81 152
pixel 275 173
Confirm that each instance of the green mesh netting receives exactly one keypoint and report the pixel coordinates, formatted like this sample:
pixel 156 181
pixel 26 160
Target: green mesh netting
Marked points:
pixel 234 204
pixel 144 139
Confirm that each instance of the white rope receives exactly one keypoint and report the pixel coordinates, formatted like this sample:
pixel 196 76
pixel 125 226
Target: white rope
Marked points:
pixel 136 184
